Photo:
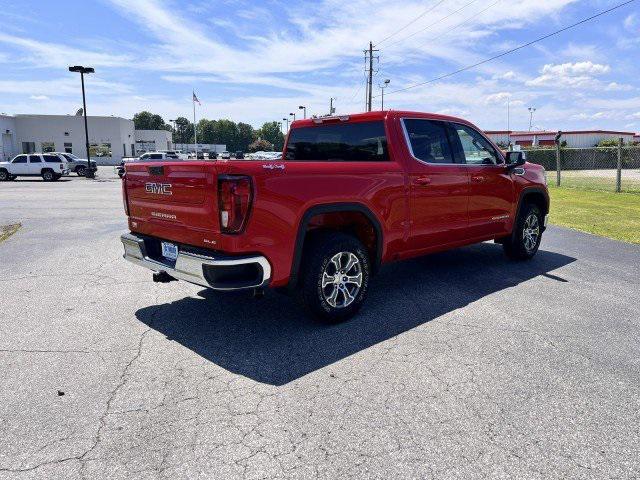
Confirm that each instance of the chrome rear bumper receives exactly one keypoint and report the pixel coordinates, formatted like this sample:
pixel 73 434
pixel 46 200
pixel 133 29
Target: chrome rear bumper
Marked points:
pixel 207 271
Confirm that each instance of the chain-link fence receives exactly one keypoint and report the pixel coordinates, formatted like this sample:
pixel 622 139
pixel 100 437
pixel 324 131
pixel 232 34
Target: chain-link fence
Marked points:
pixel 613 169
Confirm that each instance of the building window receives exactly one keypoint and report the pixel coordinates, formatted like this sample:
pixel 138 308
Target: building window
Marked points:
pixel 100 150
pixel 28 147
pixel 124 149
pixel 48 147
pixel 133 150
pixel 68 147
pixel 66 134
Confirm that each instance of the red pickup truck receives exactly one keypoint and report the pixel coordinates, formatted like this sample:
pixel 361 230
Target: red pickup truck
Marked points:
pixel 351 193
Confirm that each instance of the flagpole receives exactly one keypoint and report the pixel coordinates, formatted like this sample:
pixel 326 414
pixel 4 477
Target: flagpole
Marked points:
pixel 195 132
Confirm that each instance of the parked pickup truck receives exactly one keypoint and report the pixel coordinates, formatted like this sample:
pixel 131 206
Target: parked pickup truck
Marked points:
pixel 351 193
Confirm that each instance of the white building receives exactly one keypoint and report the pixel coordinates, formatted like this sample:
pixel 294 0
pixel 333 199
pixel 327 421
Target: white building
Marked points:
pixel 152 140
pixel 110 138
pixel 574 138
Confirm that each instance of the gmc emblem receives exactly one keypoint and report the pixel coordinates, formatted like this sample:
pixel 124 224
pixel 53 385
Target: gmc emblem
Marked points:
pixel 158 188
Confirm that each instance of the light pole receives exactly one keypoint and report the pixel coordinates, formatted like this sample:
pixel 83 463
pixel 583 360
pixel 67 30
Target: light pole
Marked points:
pixel 382 87
pixel 531 110
pixel 286 120
pixel 293 115
pixel 89 172
pixel 302 107
pixel 173 140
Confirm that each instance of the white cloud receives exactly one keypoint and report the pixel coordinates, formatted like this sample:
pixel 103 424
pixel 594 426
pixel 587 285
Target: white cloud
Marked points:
pixel 579 74
pixel 39 97
pixel 500 98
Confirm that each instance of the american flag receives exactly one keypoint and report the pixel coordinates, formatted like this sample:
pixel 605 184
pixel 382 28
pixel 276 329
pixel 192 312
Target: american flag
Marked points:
pixel 195 99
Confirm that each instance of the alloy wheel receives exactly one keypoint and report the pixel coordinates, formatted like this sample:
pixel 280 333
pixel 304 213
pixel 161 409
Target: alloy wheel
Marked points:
pixel 342 280
pixel 531 232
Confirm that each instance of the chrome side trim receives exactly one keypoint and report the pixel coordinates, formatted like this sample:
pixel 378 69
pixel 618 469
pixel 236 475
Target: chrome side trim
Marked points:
pixel 546 221
pixel 189 266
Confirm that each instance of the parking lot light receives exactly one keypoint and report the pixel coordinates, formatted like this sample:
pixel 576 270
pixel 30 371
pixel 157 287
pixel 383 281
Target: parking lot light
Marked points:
pixel 89 172
pixel 302 107
pixel 293 115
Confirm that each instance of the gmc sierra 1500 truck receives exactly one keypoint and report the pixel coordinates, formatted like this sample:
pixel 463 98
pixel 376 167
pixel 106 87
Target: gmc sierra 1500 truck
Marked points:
pixel 351 193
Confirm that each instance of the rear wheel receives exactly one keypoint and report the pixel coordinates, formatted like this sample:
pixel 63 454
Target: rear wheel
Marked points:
pixel 4 176
pixel 80 171
pixel 334 276
pixel 525 241
pixel 47 175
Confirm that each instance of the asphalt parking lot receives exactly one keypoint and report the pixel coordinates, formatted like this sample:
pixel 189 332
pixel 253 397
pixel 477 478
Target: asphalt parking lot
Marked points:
pixel 461 365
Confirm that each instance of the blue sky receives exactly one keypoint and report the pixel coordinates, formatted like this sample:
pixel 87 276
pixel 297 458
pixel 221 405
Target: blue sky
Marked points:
pixel 256 61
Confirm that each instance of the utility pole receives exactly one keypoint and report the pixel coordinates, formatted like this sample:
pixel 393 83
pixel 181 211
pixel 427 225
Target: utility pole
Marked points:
pixel 286 120
pixel 369 52
pixel 89 172
pixel 331 109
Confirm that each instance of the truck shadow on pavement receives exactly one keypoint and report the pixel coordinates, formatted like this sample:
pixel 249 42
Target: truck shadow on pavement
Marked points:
pixel 272 341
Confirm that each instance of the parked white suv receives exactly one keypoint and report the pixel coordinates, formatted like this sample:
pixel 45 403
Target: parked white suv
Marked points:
pixel 49 166
pixel 159 157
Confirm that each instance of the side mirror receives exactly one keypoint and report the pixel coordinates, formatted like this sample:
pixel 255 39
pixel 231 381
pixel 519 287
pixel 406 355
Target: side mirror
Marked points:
pixel 515 159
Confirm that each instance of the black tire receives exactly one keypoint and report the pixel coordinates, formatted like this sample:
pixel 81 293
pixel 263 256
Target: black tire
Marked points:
pixel 322 255
pixel 57 177
pixel 522 245
pixel 4 176
pixel 80 171
pixel 47 175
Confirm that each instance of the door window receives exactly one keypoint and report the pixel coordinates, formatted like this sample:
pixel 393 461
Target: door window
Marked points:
pixel 34 159
pixel 428 140
pixel 20 159
pixel 476 150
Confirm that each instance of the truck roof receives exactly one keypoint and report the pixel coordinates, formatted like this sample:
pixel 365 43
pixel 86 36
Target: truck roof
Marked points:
pixel 376 115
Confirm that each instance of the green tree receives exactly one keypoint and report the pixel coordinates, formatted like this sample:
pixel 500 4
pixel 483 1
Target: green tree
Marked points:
pixel 226 132
pixel 206 131
pixel 246 135
pixel 149 121
pixel 271 132
pixel 261 145
pixel 184 130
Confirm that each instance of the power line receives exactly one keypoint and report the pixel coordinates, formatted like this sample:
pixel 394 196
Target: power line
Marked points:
pixel 469 67
pixel 410 23
pixel 451 29
pixel 431 24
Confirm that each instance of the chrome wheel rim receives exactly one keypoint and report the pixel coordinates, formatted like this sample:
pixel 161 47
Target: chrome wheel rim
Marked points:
pixel 342 280
pixel 531 232
pixel 3 176
pixel 48 176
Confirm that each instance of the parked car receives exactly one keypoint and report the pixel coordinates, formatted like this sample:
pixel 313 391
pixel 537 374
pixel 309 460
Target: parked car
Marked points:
pixel 49 166
pixel 239 155
pixel 158 157
pixel 177 153
pixel 213 155
pixel 76 165
pixel 351 193
pixel 225 155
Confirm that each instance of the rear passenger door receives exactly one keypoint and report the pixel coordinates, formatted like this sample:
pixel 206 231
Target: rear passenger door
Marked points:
pixel 439 187
pixel 491 192
pixel 35 164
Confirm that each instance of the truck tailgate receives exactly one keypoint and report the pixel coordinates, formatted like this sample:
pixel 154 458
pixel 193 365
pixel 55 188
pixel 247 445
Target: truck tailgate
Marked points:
pixel 173 200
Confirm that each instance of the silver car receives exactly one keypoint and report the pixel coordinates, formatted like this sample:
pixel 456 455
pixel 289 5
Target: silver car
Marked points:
pixel 76 165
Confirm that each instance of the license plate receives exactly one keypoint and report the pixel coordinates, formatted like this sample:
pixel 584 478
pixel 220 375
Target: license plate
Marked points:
pixel 169 251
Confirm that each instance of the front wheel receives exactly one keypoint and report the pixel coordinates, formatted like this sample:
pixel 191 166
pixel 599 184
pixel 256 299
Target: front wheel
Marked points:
pixel 525 241
pixel 4 176
pixel 334 276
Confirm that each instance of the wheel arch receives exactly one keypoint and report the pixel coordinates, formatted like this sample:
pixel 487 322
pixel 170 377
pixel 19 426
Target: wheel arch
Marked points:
pixel 334 208
pixel 536 195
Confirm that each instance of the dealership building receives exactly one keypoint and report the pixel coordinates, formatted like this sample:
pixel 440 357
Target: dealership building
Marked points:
pixel 574 138
pixel 110 138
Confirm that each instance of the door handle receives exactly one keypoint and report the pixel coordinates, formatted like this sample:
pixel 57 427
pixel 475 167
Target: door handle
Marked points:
pixel 422 180
pixel 477 178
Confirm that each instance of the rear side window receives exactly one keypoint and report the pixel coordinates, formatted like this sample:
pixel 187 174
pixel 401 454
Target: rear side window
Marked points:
pixel 428 140
pixel 52 159
pixel 342 142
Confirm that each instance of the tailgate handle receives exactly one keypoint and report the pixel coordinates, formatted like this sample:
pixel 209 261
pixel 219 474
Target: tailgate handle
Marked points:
pixel 156 170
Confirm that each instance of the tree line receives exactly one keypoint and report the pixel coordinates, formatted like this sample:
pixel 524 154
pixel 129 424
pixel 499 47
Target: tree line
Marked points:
pixel 236 136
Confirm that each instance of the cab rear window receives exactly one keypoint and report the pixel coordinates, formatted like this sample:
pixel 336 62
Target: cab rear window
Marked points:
pixel 339 142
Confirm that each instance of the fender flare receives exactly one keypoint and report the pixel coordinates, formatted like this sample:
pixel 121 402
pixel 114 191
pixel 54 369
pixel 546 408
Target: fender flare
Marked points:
pixel 523 193
pixel 332 208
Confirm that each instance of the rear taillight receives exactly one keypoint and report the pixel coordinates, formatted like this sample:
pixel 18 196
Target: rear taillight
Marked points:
pixel 61 167
pixel 235 194
pixel 125 198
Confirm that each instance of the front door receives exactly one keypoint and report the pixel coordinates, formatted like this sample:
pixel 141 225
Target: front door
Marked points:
pixel 439 186
pixel 491 191
pixel 19 165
